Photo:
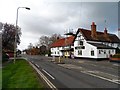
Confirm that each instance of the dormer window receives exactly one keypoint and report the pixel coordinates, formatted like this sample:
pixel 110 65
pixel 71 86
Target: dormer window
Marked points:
pixel 80 42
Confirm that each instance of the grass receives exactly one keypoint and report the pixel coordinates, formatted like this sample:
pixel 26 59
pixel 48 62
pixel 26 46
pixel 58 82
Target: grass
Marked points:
pixel 0 78
pixel 20 75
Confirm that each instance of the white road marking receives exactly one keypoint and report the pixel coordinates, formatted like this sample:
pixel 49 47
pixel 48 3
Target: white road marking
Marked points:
pixel 98 74
pixel 108 74
pixel 93 64
pixel 100 77
pixel 44 77
pixel 116 80
pixel 116 64
pixel 103 73
pixel 48 74
pixel 70 66
pixel 37 65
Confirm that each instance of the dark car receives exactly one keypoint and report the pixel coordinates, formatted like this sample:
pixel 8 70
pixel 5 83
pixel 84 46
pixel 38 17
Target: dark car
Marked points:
pixel 5 57
pixel 10 54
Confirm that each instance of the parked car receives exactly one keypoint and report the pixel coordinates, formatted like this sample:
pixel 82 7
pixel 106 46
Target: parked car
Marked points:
pixel 10 54
pixel 5 57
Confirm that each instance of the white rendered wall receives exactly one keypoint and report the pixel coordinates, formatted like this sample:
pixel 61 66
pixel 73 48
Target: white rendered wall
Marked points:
pixel 107 53
pixel 85 52
pixel 56 51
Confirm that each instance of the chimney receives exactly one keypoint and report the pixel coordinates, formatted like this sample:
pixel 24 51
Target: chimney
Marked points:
pixel 105 32
pixel 93 30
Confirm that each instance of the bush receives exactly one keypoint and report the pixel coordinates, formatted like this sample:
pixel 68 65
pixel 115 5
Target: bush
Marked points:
pixel 116 56
pixel 117 50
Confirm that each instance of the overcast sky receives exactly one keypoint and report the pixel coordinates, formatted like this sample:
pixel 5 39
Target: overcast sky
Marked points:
pixel 47 17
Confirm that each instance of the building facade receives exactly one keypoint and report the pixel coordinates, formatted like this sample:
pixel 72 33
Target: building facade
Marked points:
pixel 94 44
pixel 63 47
pixel 89 44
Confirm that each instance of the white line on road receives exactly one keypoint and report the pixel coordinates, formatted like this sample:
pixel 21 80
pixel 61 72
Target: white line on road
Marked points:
pixel 48 73
pixel 116 64
pixel 37 65
pixel 114 81
pixel 44 77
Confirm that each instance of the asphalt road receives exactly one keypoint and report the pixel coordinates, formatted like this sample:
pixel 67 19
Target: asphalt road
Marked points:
pixel 78 73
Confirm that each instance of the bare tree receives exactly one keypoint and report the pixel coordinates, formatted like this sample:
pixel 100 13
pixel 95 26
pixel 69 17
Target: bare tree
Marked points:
pixel 55 37
pixel 8 36
pixel 46 40
pixel 30 46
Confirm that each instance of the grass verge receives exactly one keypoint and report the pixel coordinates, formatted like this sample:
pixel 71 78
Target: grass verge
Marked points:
pixel 20 75
pixel 0 78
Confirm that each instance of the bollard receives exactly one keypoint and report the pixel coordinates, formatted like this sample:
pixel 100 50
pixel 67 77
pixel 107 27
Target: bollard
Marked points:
pixel 53 58
pixel 59 60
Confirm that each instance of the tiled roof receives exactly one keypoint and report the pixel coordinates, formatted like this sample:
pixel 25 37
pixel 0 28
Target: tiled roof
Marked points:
pixel 63 42
pixel 101 46
pixel 100 36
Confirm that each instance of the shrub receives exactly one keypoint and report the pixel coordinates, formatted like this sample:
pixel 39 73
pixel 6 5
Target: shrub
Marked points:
pixel 116 56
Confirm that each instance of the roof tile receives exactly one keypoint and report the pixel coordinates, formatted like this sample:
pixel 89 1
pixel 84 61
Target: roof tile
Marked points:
pixel 63 42
pixel 100 36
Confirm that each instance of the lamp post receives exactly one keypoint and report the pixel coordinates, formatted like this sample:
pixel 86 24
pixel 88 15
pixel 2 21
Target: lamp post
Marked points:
pixel 15 43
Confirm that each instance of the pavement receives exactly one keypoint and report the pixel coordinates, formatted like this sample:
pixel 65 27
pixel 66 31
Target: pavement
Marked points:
pixel 78 73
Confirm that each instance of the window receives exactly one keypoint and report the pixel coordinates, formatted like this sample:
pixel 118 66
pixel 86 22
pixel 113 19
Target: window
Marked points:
pixel 109 51
pixel 80 47
pixel 99 51
pixel 104 51
pixel 81 42
pixel 112 50
pixel 83 47
pixel 79 52
pixel 58 52
pixel 92 53
pixel 118 45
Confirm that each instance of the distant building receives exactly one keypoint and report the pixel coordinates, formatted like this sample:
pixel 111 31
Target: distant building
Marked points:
pixel 63 47
pixel 43 49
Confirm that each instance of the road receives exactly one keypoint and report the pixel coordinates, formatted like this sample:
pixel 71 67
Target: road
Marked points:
pixel 76 73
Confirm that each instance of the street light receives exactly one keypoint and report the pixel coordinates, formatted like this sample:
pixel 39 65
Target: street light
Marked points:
pixel 15 43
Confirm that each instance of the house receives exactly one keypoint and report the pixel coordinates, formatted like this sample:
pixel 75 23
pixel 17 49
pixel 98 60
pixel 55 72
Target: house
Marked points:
pixel 63 47
pixel 94 44
pixel 43 50
pixel 87 44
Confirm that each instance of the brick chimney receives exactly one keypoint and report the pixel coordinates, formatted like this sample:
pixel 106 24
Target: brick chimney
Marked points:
pixel 93 30
pixel 106 34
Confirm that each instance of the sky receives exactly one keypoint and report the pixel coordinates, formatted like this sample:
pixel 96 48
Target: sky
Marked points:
pixel 48 17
